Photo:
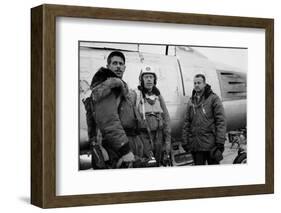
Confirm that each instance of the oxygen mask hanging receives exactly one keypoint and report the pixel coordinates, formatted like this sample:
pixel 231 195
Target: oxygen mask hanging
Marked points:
pixel 151 99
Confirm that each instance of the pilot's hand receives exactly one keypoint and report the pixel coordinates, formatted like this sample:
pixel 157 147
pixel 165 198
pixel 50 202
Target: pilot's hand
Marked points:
pixel 220 147
pixel 129 157
pixel 186 148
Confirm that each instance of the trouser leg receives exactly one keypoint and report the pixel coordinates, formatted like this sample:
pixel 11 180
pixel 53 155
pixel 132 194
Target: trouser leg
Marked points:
pixel 136 145
pixel 199 158
pixel 158 153
pixel 211 161
pixel 158 146
pixel 147 146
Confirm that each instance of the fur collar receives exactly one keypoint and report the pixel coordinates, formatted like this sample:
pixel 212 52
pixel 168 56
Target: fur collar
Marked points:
pixel 101 75
pixel 207 92
pixel 106 82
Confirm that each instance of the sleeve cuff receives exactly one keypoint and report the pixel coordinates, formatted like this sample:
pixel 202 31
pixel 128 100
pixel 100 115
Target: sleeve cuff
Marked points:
pixel 125 149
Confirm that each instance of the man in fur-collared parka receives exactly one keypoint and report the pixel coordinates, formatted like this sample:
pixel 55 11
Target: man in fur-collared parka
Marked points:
pixel 205 124
pixel 113 113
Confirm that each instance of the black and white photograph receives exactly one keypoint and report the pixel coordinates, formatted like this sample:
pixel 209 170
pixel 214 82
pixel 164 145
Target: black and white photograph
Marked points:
pixel 161 105
pixel 136 106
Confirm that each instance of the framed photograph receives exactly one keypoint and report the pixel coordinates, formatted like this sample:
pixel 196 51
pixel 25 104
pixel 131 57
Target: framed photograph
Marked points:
pixel 138 106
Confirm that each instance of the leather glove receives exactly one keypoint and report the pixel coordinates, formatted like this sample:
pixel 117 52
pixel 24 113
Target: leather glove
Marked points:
pixel 220 147
pixel 129 157
pixel 186 148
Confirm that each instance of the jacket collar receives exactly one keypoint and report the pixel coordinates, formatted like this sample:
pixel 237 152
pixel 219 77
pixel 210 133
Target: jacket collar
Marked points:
pixel 207 92
pixel 101 75
pixel 144 91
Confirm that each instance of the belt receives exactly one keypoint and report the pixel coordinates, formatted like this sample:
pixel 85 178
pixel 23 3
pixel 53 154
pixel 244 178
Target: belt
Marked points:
pixel 152 114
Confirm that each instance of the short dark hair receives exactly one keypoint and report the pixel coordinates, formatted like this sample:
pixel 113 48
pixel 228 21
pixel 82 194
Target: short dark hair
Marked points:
pixel 115 53
pixel 201 76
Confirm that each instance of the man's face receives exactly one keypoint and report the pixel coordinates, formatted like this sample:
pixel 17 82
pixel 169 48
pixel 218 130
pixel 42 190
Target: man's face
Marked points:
pixel 148 80
pixel 199 84
pixel 117 65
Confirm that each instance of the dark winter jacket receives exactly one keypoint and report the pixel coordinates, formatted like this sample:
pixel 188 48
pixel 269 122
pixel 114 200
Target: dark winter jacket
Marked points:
pixel 205 124
pixel 114 113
